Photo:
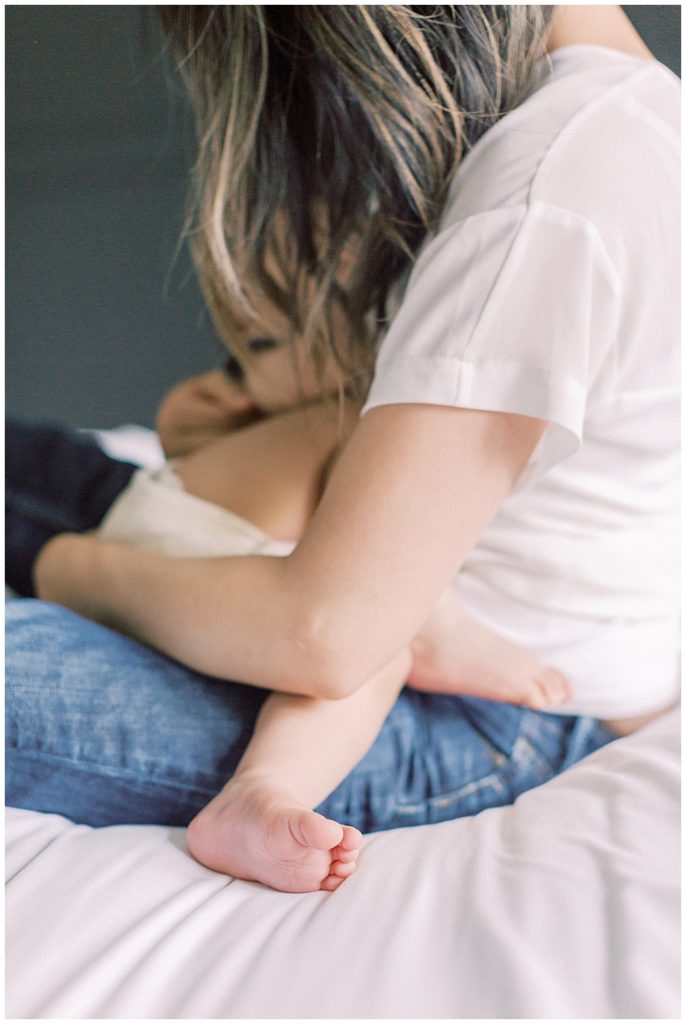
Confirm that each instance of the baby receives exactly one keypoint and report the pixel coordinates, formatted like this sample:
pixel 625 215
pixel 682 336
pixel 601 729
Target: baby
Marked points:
pixel 254 491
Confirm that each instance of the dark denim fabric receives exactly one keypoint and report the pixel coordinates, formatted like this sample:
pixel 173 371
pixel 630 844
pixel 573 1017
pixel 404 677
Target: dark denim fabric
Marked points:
pixel 106 731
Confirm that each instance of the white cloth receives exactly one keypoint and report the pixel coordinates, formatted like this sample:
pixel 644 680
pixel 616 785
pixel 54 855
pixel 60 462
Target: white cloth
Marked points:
pixel 551 289
pixel 156 513
pixel 564 906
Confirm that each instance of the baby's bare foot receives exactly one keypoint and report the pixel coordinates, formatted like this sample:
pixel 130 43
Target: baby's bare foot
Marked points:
pixel 256 831
pixel 456 654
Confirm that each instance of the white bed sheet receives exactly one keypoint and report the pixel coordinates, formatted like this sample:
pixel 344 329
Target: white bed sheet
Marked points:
pixel 565 905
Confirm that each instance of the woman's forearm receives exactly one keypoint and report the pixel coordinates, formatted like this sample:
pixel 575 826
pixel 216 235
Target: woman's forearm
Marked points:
pixel 233 618
pixel 411 493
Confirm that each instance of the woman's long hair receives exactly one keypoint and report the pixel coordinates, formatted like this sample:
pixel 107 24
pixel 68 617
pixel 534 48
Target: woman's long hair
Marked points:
pixel 333 130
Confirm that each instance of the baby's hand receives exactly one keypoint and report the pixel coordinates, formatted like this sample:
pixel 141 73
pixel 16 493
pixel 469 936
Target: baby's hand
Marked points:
pixel 200 410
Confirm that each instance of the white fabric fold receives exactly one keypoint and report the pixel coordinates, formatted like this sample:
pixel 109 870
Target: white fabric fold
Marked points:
pixel 565 905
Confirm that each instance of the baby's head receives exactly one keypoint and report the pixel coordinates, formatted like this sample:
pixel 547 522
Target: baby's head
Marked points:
pixel 270 363
pixel 278 360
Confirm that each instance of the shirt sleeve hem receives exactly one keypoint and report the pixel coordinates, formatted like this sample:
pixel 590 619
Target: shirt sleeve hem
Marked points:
pixel 491 386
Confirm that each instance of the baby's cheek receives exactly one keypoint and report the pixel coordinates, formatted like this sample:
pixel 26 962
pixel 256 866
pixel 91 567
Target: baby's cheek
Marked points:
pixel 273 394
pixel 273 388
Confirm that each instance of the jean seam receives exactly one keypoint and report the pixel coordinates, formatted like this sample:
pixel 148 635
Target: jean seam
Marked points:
pixel 536 760
pixel 494 753
pixel 499 755
pixel 94 768
pixel 453 797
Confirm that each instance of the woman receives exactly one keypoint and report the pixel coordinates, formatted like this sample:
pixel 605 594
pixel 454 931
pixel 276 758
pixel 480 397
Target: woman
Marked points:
pixel 514 338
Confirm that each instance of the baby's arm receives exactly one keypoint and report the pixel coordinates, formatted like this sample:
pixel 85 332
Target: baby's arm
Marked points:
pixel 201 409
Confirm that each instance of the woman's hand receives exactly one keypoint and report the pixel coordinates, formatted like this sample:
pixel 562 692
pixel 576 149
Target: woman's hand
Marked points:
pixel 200 410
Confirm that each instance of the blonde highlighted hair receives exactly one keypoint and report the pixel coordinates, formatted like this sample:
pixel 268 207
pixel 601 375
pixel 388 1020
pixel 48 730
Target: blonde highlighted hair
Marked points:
pixel 326 131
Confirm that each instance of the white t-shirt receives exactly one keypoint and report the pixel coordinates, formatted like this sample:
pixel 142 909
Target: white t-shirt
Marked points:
pixel 551 289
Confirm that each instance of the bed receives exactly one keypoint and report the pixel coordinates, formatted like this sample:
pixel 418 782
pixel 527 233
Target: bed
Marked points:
pixel 565 905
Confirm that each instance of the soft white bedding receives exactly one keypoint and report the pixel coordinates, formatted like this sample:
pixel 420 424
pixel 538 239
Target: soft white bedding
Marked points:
pixel 565 905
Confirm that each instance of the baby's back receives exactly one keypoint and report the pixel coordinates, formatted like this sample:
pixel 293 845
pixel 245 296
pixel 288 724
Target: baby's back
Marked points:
pixel 272 472
pixel 253 491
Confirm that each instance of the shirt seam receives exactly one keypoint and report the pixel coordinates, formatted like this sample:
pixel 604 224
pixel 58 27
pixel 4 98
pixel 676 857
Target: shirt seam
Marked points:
pixel 469 362
pixel 642 113
pixel 650 67
pixel 534 205
pixel 584 222
pixel 587 109
pixel 393 364
pixel 572 221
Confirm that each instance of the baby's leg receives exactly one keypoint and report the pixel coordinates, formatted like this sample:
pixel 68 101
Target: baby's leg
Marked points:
pixel 453 653
pixel 261 825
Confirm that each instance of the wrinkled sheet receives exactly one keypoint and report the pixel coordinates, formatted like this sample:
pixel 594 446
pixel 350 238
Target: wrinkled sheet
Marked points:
pixel 565 905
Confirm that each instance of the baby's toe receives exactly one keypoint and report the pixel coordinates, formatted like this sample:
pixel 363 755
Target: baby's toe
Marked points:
pixel 554 686
pixel 331 883
pixel 352 838
pixel 314 830
pixel 534 696
pixel 341 869
pixel 345 856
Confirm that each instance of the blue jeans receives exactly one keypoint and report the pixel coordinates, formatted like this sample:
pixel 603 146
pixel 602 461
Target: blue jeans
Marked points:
pixel 106 731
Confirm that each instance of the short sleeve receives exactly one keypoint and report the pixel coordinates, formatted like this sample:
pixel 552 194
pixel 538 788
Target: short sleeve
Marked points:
pixel 512 310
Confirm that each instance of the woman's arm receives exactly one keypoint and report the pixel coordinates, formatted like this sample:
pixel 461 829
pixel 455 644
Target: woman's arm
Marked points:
pixel 407 500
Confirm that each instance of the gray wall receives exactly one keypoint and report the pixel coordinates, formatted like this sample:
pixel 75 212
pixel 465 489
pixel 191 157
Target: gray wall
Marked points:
pixel 100 318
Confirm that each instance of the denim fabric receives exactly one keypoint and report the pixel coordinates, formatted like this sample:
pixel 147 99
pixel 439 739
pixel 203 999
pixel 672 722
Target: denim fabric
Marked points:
pixel 106 731
pixel 57 480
